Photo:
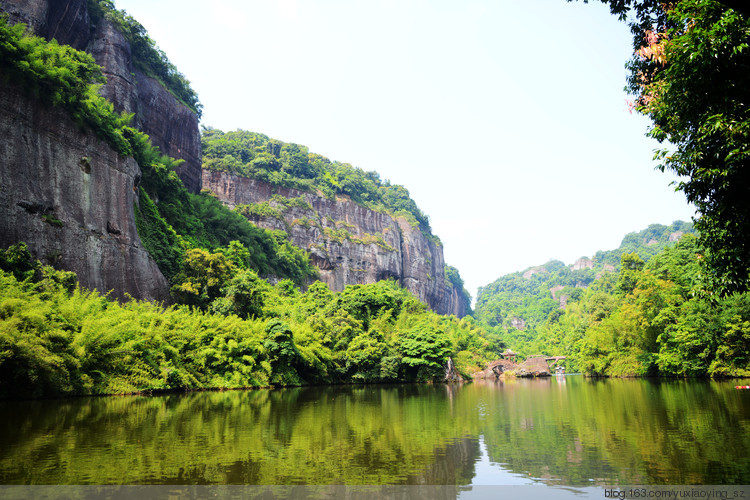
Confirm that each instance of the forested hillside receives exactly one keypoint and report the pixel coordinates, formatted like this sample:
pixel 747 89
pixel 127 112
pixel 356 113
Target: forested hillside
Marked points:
pixel 519 302
pixel 58 339
pixel 650 316
pixel 254 155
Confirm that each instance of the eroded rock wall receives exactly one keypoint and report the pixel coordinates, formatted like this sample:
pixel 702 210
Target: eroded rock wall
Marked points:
pixel 349 243
pixel 70 197
pixel 172 126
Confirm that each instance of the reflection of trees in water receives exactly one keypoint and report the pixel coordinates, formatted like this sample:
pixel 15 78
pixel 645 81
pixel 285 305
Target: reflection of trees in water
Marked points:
pixel 338 435
pixel 451 464
pixel 619 431
pixel 614 431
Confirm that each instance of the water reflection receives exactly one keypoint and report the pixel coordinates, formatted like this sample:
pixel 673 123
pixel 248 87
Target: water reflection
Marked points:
pixel 487 472
pixel 560 430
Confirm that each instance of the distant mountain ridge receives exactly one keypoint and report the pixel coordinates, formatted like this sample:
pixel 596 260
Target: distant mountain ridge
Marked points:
pixel 526 298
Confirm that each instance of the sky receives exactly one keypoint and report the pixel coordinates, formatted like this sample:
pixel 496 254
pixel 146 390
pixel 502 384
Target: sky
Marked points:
pixel 507 121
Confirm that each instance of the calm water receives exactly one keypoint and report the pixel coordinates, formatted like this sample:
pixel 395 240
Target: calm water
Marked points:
pixel 559 431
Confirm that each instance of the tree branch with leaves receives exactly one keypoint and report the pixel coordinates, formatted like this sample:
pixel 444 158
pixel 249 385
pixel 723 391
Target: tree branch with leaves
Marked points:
pixel 690 74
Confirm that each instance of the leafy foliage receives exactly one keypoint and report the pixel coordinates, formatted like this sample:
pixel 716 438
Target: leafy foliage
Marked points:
pixel 240 332
pixel 425 350
pixel 689 76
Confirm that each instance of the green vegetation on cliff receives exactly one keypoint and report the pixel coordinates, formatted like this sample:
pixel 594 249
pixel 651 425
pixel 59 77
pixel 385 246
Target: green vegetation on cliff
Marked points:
pixel 253 155
pixel 147 57
pixel 249 154
pixel 57 339
pixel 170 220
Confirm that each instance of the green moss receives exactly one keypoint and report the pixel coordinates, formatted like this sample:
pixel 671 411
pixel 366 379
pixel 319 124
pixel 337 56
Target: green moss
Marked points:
pixel 263 209
pixel 52 220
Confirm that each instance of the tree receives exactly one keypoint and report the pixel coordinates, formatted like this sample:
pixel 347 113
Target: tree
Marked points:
pixel 244 296
pixel 425 350
pixel 630 272
pixel 690 74
pixel 202 277
pixel 282 353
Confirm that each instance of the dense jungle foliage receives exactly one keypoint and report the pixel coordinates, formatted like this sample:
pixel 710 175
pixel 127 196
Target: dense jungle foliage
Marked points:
pixel 254 155
pixel 64 77
pixel 58 339
pixel 650 317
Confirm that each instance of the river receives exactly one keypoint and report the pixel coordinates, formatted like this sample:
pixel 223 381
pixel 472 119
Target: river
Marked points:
pixel 556 432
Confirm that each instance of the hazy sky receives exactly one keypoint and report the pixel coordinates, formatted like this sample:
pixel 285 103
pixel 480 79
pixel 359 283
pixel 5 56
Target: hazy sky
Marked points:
pixel 506 120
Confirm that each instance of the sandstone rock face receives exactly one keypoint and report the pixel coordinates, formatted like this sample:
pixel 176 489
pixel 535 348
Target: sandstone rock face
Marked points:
pixel 517 323
pixel 170 124
pixel 349 243
pixel 533 367
pixel 70 197
pixel 534 270
pixel 582 263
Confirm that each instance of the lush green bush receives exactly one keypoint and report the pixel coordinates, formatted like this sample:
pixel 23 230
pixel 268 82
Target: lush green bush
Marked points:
pixel 57 339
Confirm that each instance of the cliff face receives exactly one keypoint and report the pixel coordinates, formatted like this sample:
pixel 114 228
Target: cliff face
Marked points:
pixel 70 197
pixel 349 243
pixel 170 124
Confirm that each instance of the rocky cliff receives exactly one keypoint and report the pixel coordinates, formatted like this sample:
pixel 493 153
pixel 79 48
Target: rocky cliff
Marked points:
pixel 170 124
pixel 349 243
pixel 64 192
pixel 70 197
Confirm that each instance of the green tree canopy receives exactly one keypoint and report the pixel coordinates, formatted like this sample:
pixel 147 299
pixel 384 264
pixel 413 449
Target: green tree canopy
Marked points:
pixel 689 75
